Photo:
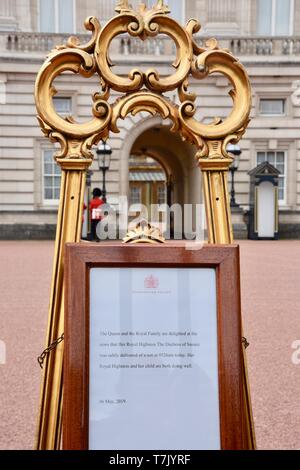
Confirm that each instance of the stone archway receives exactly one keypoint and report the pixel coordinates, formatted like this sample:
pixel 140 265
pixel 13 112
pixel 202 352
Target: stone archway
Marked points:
pixel 148 179
pixel 153 137
pixel 177 157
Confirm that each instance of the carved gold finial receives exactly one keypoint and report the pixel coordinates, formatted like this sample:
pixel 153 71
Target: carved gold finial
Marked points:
pixel 144 233
pixel 160 7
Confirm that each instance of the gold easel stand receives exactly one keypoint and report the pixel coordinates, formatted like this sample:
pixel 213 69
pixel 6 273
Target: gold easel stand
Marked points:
pixel 140 91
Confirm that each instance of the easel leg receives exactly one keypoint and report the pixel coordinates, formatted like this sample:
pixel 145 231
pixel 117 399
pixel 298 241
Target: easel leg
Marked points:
pixel 215 172
pixel 69 228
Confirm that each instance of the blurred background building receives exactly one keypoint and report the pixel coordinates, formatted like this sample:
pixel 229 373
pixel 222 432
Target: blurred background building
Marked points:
pixel 149 164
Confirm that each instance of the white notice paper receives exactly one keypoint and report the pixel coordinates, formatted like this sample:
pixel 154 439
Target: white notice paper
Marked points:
pixel 153 359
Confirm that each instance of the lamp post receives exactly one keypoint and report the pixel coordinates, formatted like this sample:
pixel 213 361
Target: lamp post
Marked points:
pixel 235 150
pixel 104 153
pixel 89 175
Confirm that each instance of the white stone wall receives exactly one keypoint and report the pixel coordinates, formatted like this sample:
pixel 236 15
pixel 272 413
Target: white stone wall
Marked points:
pixel 7 14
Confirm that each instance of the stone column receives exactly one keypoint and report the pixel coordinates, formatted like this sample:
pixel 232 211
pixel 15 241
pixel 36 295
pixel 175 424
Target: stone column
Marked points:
pixel 8 8
pixel 7 14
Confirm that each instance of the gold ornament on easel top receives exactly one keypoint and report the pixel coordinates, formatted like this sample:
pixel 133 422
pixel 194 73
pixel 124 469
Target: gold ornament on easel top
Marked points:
pixel 143 90
pixel 140 91
pixel 144 232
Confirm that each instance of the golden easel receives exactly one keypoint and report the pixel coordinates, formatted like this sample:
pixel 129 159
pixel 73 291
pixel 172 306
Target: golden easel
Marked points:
pixel 141 91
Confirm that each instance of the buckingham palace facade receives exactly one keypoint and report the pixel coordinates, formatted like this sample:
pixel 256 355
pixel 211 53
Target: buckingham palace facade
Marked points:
pixel 149 164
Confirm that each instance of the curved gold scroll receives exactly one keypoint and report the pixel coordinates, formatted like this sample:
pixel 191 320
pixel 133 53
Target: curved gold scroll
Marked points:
pixel 192 62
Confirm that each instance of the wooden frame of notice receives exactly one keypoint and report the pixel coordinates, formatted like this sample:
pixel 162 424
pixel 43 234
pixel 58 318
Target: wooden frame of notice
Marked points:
pixel 80 259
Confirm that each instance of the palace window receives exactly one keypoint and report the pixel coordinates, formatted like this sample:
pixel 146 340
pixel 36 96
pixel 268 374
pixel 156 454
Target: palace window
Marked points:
pixel 63 105
pixel 57 16
pixel 275 17
pixel 278 160
pixel 177 7
pixel 272 107
pixel 135 195
pixel 51 178
pixel 224 11
pixel 161 195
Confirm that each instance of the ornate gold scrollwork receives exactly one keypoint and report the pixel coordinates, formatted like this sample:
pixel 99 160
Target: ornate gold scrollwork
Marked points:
pixel 144 101
pixel 75 139
pixel 192 62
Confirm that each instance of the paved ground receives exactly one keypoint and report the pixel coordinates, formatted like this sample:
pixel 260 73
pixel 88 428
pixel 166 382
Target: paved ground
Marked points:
pixel 271 306
pixel 271 310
